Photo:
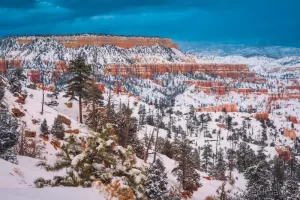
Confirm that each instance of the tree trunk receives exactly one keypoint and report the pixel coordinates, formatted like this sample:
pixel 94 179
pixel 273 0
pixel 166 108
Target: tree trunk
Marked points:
pixel 154 157
pixel 94 115
pixel 148 147
pixel 43 101
pixel 80 109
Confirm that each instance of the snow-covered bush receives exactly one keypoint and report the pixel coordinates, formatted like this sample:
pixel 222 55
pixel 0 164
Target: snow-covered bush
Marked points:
pixel 103 161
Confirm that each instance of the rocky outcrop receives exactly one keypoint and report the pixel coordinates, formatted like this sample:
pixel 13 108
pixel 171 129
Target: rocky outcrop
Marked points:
pixel 219 108
pixel 290 133
pixel 262 116
pixel 98 40
pixel 147 70
pixel 208 87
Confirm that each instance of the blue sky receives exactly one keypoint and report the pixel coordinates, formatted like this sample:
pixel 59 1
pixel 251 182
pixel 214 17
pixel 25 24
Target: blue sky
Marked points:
pixel 182 20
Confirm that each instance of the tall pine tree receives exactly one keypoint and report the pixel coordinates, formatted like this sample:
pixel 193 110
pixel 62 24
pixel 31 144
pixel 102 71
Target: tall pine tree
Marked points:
pixel 79 81
pixel 156 185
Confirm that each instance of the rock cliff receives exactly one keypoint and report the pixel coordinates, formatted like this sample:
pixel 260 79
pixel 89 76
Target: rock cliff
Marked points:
pixel 99 40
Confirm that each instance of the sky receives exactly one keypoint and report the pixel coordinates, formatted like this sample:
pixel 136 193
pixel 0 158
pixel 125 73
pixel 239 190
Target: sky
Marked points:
pixel 238 21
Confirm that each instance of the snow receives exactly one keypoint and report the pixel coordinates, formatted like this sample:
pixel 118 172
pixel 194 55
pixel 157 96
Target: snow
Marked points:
pixel 51 194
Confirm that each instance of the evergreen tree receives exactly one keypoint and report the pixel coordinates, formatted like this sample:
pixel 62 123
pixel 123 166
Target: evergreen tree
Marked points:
pixel 102 160
pixel 222 192
pixel 95 97
pixel 2 92
pixel 15 84
pixel 156 185
pixel 142 114
pixel 220 168
pixel 245 157
pixel 231 165
pixel 8 136
pixel 196 158
pixel 207 156
pixel 58 129
pixel 261 156
pixel 277 174
pixel 290 189
pixel 77 84
pixel 19 73
pixel 258 179
pixel 44 127
pixel 185 170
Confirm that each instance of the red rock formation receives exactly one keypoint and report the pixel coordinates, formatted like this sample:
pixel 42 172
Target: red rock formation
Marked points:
pixel 147 70
pixel 293 87
pixel 219 108
pixel 245 91
pixel 284 153
pixel 35 76
pixel 123 42
pixel 61 66
pixel 262 116
pixel 290 133
pixel 3 66
pixel 218 88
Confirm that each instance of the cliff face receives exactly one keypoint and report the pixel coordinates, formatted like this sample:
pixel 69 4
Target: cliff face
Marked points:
pixel 123 42
pixel 146 70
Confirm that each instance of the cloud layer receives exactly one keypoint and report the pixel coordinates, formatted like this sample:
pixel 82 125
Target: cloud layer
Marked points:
pixel 209 20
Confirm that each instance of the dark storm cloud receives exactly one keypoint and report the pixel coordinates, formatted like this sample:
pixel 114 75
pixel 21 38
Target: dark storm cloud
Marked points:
pixel 180 19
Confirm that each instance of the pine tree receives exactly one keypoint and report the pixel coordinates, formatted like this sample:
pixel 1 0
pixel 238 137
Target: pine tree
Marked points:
pixel 95 97
pixel 142 114
pixel 77 84
pixel 103 161
pixel 290 189
pixel 222 192
pixel 231 165
pixel 220 168
pixel 156 185
pixel 258 179
pixel 44 127
pixel 15 85
pixel 185 170
pixel 19 73
pixel 261 156
pixel 196 158
pixel 58 129
pixel 2 92
pixel 8 136
pixel 245 157
pixel 207 156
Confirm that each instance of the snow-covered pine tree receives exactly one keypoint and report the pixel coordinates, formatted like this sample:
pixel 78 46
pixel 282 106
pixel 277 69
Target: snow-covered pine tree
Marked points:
pixel 2 92
pixel 156 185
pixel 261 156
pixel 58 129
pixel 231 164
pixel 245 157
pixel 77 84
pixel 220 167
pixel 95 98
pixel 8 136
pixel 196 157
pixel 290 189
pixel 15 85
pixel 44 127
pixel 142 114
pixel 186 169
pixel 221 191
pixel 102 161
pixel 207 156
pixel 258 179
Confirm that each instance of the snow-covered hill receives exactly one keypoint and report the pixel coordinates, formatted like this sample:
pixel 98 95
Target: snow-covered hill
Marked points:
pixel 44 53
pixel 260 58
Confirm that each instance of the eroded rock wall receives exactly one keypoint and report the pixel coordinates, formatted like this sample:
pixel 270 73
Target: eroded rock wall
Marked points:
pixel 123 42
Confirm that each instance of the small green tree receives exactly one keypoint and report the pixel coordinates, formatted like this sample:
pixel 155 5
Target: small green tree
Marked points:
pixel 58 129
pixel 44 127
